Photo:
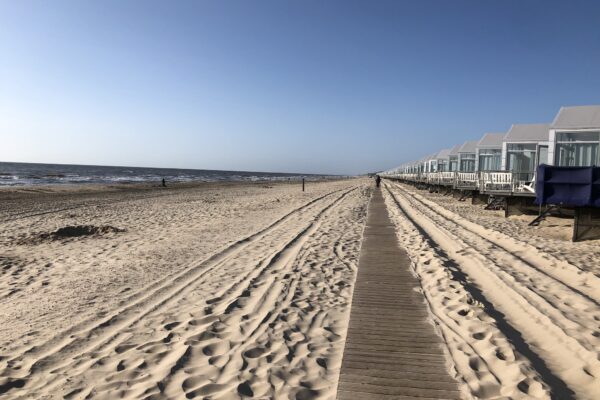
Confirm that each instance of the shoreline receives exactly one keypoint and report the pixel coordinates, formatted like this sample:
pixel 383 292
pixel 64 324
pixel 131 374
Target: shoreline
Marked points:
pixel 24 174
pixel 16 192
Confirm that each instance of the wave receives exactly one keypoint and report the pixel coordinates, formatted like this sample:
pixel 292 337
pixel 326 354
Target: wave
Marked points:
pixel 21 174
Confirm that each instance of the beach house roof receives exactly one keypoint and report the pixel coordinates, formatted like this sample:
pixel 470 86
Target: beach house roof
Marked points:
pixel 491 141
pixel 468 147
pixel 528 133
pixel 443 154
pixel 454 150
pixel 577 117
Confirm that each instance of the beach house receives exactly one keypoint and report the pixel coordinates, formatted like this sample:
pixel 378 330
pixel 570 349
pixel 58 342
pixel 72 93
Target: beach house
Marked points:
pixel 488 152
pixel 575 137
pixel 525 146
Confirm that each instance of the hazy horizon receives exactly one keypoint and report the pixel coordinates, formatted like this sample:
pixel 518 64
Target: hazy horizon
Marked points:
pixel 340 87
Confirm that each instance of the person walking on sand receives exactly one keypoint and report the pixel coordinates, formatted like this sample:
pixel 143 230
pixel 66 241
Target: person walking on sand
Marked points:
pixel 164 183
pixel 377 180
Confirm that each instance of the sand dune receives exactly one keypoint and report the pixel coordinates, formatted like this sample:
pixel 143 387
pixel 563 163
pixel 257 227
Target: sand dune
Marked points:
pixel 518 321
pixel 262 314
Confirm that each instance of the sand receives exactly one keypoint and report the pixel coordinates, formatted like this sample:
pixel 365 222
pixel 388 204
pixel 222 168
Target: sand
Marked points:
pixel 229 291
pixel 518 309
pixel 219 290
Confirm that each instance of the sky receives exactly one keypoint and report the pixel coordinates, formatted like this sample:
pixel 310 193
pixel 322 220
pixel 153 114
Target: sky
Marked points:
pixel 340 87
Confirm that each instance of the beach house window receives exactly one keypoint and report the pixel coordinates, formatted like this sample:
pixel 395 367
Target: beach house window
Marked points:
pixel 433 166
pixel 542 155
pixel 442 165
pixel 577 149
pixel 467 162
pixel 521 157
pixel 453 163
pixel 490 159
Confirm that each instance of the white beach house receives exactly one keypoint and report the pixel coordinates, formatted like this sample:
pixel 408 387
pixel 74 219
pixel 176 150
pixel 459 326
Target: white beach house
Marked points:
pixel 575 137
pixel 442 160
pixel 488 152
pixel 467 156
pixel 431 163
pixel 453 159
pixel 525 147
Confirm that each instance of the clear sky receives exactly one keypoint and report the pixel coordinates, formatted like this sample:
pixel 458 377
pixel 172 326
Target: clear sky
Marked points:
pixel 291 86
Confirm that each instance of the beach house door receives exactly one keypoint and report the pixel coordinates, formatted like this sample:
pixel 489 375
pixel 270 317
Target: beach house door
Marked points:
pixel 542 155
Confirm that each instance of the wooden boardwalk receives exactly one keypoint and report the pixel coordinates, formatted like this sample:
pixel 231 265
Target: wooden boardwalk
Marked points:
pixel 391 351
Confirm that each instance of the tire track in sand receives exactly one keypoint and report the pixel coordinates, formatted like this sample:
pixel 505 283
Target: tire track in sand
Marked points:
pixel 249 311
pixel 543 330
pixel 497 363
pixel 82 338
pixel 569 304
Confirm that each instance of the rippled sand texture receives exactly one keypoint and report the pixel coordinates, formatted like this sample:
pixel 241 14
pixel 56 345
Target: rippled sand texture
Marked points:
pixel 224 291
pixel 519 311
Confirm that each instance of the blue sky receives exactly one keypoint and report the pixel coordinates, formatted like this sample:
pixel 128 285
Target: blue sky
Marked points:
pixel 290 86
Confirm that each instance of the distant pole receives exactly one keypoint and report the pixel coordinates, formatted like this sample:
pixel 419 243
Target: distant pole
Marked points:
pixel 303 184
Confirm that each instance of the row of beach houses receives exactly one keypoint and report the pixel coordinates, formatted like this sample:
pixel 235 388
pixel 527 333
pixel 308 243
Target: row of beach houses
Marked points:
pixel 506 162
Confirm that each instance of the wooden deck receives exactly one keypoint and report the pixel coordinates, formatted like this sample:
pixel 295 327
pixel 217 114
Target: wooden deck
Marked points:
pixel 391 351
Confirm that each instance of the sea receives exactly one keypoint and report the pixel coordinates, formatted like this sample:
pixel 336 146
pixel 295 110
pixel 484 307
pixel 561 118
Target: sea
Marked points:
pixel 26 174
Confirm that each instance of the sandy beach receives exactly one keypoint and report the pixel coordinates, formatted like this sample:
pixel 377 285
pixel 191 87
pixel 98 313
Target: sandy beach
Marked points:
pixel 220 290
pixel 243 290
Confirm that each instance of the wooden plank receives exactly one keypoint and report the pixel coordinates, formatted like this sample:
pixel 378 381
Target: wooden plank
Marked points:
pixel 392 350
pixel 380 373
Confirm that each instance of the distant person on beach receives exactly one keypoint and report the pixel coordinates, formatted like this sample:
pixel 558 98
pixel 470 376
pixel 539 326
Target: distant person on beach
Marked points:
pixel 377 180
pixel 164 183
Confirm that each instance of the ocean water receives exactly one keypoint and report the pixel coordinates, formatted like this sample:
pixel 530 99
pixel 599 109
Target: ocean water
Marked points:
pixel 25 174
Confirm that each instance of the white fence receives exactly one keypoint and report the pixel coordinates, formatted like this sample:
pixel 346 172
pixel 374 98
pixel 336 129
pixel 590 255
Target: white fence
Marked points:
pixel 447 178
pixel 485 182
pixel 433 178
pixel 496 182
pixel 467 180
